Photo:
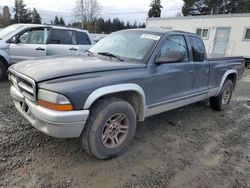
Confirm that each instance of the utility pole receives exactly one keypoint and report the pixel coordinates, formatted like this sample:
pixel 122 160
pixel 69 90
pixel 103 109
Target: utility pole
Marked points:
pixel 82 14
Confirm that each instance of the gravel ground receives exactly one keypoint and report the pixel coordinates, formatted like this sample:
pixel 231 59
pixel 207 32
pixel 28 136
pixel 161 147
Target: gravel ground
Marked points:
pixel 192 146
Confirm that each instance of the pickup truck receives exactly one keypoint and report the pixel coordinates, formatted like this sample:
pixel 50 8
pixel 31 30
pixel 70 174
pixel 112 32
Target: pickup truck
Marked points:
pixel 123 79
pixel 20 42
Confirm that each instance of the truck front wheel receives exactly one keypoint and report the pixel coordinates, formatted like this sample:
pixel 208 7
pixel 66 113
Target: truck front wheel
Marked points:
pixel 3 70
pixel 109 129
pixel 221 101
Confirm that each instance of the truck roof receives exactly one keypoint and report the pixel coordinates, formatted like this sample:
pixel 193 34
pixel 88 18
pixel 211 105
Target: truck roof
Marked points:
pixel 162 31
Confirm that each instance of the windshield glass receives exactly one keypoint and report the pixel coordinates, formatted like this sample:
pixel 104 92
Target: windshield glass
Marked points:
pixel 8 30
pixel 132 45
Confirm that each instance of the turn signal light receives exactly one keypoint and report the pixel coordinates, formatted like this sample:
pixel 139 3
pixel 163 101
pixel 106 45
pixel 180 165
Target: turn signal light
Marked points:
pixel 57 107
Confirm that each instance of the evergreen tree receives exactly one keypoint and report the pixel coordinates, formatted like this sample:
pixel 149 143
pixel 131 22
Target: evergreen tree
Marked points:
pixel 106 26
pixel 205 7
pixel 58 21
pixel 135 25
pixel 143 25
pixel 61 21
pixel 100 25
pixel 128 25
pixel 55 21
pixel 35 16
pixel 6 17
pixel 155 10
pixel 21 13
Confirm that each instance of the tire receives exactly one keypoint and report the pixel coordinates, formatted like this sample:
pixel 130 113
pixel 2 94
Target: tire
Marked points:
pixel 109 118
pixel 222 101
pixel 3 71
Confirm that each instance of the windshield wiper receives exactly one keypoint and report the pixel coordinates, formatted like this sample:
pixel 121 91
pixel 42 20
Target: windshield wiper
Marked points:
pixel 90 53
pixel 110 55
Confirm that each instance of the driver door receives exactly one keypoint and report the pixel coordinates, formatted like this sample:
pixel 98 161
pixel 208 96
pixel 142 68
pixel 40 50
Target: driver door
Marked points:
pixel 28 45
pixel 173 80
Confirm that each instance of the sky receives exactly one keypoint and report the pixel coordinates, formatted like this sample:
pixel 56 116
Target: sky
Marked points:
pixel 127 10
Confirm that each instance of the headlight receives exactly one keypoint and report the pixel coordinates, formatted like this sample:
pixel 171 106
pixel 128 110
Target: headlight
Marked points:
pixel 53 101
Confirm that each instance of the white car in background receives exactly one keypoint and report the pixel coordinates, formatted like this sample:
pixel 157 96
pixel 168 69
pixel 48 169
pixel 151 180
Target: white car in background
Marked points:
pixel 20 42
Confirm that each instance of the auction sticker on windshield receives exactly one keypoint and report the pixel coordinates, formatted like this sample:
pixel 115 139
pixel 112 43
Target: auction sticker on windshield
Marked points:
pixel 150 36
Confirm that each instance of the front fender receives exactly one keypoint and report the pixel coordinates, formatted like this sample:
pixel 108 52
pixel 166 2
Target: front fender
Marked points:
pixel 116 89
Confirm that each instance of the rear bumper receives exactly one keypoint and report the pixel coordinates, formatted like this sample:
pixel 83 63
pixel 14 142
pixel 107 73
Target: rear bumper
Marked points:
pixel 53 123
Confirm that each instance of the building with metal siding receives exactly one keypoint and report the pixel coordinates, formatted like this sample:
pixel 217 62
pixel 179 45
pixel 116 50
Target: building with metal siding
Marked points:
pixel 223 35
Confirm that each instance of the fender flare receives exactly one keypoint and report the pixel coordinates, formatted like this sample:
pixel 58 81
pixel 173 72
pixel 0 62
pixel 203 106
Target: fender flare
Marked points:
pixel 95 95
pixel 231 71
pixel 5 57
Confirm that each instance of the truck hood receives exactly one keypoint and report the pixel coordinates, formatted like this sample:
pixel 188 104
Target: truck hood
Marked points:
pixel 56 67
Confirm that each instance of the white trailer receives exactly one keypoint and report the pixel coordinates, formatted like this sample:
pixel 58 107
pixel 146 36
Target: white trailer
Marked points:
pixel 223 35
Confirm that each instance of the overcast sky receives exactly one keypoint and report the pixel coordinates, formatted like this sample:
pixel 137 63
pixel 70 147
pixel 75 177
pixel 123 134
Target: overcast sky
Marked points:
pixel 127 10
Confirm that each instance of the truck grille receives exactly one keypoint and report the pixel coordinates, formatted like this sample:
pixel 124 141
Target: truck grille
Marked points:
pixel 24 84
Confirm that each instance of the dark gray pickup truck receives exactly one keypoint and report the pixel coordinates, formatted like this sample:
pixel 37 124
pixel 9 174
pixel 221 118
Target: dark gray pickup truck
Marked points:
pixel 124 78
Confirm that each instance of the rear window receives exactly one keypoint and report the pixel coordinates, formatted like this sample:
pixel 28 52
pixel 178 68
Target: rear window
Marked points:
pixel 198 49
pixel 82 38
pixel 58 36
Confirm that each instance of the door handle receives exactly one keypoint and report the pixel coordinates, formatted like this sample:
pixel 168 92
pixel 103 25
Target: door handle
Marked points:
pixel 73 49
pixel 39 48
pixel 190 72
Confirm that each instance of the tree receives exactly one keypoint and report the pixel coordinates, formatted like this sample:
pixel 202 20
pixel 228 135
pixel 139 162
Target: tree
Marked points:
pixel 106 26
pixel 195 7
pixel 135 25
pixel 86 10
pixel 236 6
pixel 21 14
pixel 155 10
pixel 58 21
pixel 55 21
pixel 205 7
pixel 143 25
pixel 35 17
pixel 6 17
pixel 61 21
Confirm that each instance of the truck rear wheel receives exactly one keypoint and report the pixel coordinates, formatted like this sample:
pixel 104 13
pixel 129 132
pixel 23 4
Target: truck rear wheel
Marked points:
pixel 221 101
pixel 3 70
pixel 109 129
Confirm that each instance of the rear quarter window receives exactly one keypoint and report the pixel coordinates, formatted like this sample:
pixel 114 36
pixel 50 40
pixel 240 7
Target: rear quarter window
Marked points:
pixel 82 38
pixel 198 49
pixel 60 36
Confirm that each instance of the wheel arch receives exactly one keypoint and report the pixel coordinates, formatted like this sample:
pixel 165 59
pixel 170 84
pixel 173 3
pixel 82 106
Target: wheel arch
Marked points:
pixel 5 62
pixel 132 93
pixel 230 74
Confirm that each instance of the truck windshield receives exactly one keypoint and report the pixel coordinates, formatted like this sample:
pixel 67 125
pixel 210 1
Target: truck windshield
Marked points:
pixel 8 30
pixel 132 45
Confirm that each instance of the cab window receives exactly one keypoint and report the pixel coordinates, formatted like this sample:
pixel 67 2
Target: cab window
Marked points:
pixel 175 43
pixel 198 49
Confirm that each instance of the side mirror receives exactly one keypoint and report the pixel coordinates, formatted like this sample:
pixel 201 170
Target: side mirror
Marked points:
pixel 170 57
pixel 14 40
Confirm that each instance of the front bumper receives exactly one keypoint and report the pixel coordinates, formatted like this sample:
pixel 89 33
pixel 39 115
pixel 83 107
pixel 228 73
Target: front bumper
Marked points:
pixel 53 123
